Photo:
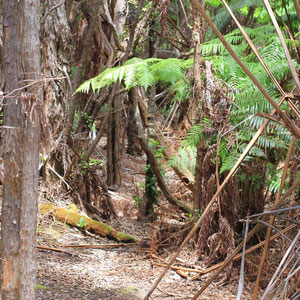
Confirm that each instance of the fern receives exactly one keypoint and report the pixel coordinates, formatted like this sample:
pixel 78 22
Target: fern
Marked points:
pixel 185 159
pixel 139 72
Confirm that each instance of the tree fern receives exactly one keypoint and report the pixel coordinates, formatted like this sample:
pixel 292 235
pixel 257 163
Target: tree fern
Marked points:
pixel 185 159
pixel 139 72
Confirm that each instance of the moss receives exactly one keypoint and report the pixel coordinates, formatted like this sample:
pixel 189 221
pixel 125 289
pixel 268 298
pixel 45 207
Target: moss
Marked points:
pixel 75 219
pixel 46 208
pixel 41 287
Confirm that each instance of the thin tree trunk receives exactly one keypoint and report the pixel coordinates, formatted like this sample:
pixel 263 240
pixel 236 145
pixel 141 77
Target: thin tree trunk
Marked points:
pixel 113 142
pixel 198 35
pixel 21 60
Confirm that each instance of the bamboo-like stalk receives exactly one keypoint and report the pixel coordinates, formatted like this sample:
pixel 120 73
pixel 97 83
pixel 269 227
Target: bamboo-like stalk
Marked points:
pixel 254 49
pixel 297 6
pixel 283 43
pixel 272 218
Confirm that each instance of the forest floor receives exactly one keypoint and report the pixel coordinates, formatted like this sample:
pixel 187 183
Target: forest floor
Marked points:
pixel 114 273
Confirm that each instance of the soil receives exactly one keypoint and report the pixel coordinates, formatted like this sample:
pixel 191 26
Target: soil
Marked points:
pixel 114 273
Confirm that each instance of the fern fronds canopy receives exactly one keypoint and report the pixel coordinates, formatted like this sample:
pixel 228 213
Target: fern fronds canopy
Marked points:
pixel 140 72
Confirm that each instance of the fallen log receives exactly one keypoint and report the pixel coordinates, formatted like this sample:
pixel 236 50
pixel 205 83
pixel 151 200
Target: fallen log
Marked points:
pixel 83 222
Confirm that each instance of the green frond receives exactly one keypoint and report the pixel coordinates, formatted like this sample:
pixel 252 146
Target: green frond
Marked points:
pixel 229 162
pixel 140 72
pixel 193 136
pixel 185 159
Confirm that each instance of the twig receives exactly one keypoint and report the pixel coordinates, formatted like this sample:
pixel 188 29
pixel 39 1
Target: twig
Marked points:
pixel 180 268
pixel 52 249
pixel 60 177
pixel 100 246
pixel 272 227
pixel 33 82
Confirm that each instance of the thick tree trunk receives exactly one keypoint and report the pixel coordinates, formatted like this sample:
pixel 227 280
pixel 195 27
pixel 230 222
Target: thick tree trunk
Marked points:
pixel 56 47
pixel 21 131
pixel 132 135
pixel 120 14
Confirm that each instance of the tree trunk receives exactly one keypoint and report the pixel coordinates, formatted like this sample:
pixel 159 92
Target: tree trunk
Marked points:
pixel 132 135
pixel 113 142
pixel 21 135
pixel 56 47
pixel 120 14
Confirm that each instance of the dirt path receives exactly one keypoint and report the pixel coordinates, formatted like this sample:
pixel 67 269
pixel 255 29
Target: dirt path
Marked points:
pixel 112 273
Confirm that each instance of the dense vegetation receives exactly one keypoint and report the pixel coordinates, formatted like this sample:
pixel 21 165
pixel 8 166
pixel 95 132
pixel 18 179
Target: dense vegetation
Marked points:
pixel 155 80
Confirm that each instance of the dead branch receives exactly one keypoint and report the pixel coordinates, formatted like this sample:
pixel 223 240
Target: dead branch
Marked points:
pixel 102 246
pixel 83 222
pixel 240 246
pixel 39 247
pixel 269 231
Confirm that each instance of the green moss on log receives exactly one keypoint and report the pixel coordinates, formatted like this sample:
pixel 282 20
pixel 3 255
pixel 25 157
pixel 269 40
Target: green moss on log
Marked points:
pixel 75 219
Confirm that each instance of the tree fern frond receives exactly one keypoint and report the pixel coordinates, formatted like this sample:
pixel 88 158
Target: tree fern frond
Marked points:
pixel 186 159
pixel 139 72
pixel 193 136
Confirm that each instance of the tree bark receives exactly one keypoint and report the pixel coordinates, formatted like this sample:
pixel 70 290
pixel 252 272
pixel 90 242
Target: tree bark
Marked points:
pixel 21 136
pixel 56 47
pixel 113 141
pixel 85 55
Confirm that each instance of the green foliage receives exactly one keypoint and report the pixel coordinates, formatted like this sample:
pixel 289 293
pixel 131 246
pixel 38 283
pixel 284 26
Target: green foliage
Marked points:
pixel 151 188
pixel 85 165
pixel 185 158
pixel 196 134
pixel 196 215
pixel 137 200
pixel 89 121
pixel 222 18
pixel 138 72
pixel 41 287
pixel 273 178
pixel 81 224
